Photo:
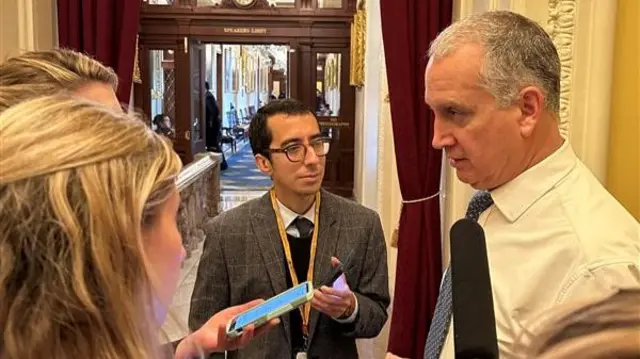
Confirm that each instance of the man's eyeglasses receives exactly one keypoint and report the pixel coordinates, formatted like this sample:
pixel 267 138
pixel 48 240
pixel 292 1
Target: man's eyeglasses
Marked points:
pixel 297 152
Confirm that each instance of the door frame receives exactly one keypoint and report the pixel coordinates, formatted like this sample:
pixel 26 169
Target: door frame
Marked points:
pixel 197 58
pixel 234 40
pixel 305 35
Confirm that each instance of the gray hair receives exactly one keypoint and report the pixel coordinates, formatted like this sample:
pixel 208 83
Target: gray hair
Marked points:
pixel 517 53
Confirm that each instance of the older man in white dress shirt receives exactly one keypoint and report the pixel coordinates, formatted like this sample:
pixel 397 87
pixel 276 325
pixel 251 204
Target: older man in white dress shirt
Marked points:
pixel 554 234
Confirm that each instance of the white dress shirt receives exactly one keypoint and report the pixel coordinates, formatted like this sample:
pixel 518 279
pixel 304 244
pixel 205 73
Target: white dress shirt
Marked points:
pixel 288 216
pixel 554 234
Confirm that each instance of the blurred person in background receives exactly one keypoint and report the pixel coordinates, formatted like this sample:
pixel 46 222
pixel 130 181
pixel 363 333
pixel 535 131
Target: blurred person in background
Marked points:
pixel 606 328
pixel 162 125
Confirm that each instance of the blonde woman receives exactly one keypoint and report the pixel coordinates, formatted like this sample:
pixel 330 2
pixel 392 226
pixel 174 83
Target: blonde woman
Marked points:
pixel 89 247
pixel 40 73
pixel 607 328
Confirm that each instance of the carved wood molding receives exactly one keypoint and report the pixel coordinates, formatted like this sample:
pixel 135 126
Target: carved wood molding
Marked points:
pixel 358 50
pixel 561 27
pixel 259 4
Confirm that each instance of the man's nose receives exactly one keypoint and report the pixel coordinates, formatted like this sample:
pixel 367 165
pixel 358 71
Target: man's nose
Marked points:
pixel 310 157
pixel 442 136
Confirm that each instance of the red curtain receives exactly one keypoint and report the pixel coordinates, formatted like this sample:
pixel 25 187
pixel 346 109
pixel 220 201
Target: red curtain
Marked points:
pixel 408 27
pixel 104 29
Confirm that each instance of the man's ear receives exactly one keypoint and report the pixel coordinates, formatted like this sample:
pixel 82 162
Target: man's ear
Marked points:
pixel 264 165
pixel 531 105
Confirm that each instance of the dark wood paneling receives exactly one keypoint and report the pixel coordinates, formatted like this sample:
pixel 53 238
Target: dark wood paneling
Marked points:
pixel 247 15
pixel 305 74
pixel 294 61
pixel 305 29
pixel 197 92
pixel 219 91
pixel 183 103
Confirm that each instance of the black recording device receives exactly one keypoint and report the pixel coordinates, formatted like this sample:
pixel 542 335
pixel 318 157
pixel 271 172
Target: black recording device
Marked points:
pixel 336 272
pixel 474 323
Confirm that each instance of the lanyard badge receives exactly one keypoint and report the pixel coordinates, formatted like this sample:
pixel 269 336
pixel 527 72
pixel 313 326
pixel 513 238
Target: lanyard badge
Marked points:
pixel 305 310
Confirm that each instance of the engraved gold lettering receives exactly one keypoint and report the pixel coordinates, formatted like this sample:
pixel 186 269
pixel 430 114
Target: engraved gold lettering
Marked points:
pixel 244 30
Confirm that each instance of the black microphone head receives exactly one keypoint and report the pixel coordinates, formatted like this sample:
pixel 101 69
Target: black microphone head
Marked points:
pixel 474 323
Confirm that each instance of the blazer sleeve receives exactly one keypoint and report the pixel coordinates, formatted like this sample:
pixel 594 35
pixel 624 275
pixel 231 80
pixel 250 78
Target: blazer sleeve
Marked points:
pixel 372 292
pixel 211 289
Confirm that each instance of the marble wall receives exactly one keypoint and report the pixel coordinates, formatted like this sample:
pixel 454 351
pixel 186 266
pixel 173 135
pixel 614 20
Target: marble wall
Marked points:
pixel 199 185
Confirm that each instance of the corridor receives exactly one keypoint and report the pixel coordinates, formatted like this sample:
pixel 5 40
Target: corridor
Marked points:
pixel 242 174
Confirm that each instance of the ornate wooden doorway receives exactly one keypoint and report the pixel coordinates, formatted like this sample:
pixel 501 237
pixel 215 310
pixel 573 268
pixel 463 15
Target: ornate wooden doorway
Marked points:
pixel 317 33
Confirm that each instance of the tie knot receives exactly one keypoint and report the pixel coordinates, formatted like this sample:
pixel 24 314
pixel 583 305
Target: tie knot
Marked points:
pixel 479 203
pixel 304 226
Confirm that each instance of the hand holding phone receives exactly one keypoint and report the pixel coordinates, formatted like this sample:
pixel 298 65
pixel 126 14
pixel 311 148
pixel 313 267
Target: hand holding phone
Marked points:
pixel 272 308
pixel 335 298
pixel 212 338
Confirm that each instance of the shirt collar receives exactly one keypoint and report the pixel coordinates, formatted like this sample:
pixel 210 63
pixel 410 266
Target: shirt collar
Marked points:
pixel 288 216
pixel 518 195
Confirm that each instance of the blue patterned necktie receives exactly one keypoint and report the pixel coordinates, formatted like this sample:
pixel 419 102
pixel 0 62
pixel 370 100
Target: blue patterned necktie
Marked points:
pixel 442 315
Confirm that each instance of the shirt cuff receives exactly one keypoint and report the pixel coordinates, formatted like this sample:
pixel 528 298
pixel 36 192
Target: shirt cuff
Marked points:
pixel 352 317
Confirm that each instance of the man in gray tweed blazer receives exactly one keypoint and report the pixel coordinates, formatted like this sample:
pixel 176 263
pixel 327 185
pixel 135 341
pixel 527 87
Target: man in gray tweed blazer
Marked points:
pixel 244 255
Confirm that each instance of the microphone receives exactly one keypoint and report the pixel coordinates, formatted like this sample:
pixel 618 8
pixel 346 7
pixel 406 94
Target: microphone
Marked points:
pixel 474 322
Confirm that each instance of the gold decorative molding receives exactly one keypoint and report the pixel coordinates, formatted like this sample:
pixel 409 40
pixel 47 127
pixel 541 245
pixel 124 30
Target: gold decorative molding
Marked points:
pixel 358 40
pixel 248 70
pixel 137 79
pixel 561 27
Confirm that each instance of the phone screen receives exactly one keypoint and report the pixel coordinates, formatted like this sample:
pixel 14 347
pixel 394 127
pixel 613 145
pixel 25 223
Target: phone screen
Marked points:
pixel 272 304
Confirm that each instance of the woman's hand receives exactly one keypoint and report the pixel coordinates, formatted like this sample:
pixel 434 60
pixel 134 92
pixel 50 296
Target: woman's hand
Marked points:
pixel 212 336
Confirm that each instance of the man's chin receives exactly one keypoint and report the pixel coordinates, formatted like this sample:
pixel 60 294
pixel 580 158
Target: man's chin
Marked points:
pixel 309 189
pixel 473 182
pixel 464 177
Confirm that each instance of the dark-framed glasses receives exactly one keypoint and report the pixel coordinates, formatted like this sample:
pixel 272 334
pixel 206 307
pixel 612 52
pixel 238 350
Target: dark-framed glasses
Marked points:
pixel 297 152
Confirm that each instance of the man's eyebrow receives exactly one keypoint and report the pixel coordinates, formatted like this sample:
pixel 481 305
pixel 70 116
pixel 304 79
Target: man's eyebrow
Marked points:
pixel 450 103
pixel 296 140
pixel 291 141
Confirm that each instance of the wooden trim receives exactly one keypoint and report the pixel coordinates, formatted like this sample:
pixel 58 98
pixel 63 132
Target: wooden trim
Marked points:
pixel 317 15
pixel 183 102
pixel 305 29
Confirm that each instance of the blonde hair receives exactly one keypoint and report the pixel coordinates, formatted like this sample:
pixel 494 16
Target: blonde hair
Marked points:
pixel 42 73
pixel 602 329
pixel 78 183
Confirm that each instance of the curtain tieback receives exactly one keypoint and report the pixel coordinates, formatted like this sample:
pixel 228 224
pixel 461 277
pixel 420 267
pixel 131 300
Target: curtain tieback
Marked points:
pixel 394 236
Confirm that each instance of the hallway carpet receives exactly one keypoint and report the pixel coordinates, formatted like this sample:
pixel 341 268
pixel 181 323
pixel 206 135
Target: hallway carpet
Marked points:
pixel 242 173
